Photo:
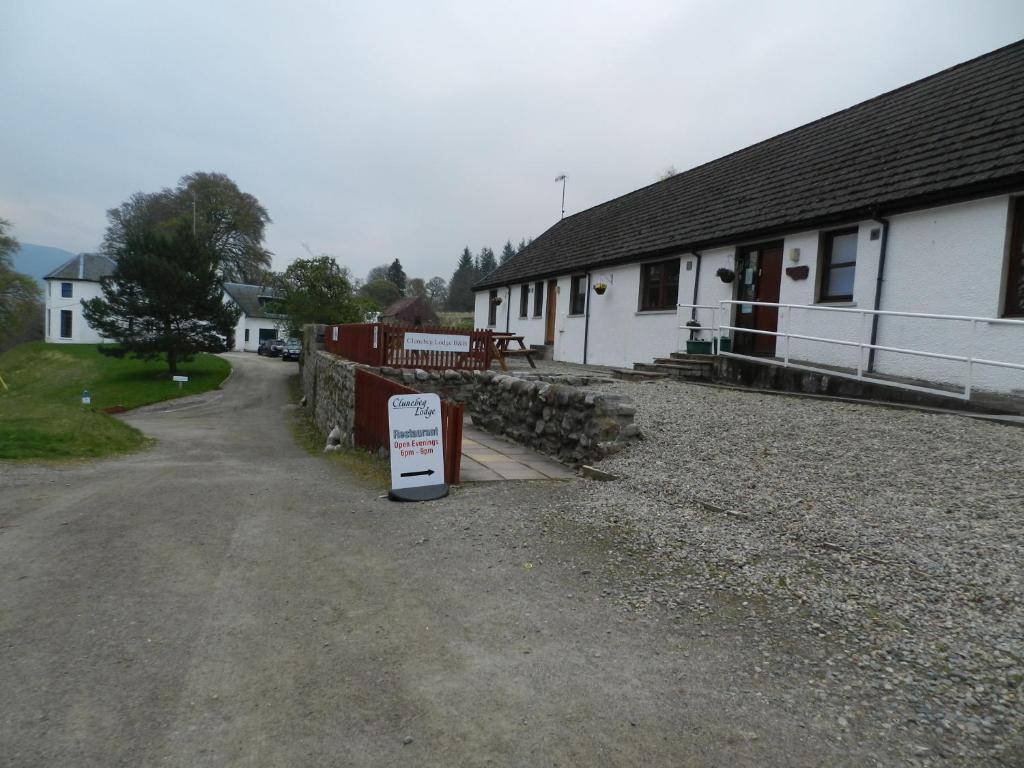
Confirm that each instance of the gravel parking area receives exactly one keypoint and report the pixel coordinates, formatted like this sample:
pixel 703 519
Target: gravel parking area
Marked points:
pixel 892 537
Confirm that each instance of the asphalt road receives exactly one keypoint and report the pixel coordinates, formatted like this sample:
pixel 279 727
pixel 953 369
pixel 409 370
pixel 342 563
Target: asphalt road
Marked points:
pixel 226 599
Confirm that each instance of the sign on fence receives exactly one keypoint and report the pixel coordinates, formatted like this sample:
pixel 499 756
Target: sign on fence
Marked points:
pixel 436 342
pixel 417 451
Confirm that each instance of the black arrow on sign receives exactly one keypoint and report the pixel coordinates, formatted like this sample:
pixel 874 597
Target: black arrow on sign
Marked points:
pixel 416 474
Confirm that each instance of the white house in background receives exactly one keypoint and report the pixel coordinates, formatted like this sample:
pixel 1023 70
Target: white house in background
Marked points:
pixel 912 201
pixel 66 287
pixel 79 279
pixel 255 324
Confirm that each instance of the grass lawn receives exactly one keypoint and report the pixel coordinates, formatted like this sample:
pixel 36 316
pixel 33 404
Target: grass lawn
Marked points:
pixel 41 413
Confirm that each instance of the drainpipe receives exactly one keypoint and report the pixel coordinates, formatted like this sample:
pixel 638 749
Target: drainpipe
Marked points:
pixel 696 284
pixel 586 321
pixel 878 288
pixel 508 306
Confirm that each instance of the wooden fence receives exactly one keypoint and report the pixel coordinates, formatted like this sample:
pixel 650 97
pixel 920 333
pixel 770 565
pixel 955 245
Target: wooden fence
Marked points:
pixel 384 345
pixel 371 420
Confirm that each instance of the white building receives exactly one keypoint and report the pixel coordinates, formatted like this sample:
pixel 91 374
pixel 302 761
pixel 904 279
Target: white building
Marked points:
pixel 66 288
pixel 255 324
pixel 79 279
pixel 910 202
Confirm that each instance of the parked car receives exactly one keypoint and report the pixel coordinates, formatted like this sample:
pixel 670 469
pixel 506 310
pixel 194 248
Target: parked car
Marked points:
pixel 292 349
pixel 270 347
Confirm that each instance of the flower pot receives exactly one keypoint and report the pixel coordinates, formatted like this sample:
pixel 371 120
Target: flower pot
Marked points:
pixel 695 347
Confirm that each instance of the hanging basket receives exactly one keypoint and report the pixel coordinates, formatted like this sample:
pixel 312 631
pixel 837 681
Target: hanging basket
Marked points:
pixel 600 288
pixel 496 300
pixel 726 275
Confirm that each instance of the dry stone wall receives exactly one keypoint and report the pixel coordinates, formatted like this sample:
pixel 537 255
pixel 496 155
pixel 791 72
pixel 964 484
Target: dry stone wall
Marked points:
pixel 329 385
pixel 549 413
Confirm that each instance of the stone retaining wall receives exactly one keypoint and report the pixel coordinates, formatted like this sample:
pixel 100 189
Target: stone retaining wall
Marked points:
pixel 329 384
pixel 549 413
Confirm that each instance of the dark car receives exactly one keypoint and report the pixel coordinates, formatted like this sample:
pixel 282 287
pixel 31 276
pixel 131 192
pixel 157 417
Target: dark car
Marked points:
pixel 292 349
pixel 270 347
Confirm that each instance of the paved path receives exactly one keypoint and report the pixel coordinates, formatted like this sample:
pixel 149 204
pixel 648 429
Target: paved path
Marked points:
pixel 225 599
pixel 486 457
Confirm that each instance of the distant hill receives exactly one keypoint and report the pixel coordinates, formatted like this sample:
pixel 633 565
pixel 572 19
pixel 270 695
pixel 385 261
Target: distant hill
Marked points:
pixel 39 260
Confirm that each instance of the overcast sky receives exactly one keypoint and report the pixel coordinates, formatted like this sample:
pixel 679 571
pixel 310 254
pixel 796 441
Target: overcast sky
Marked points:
pixel 378 130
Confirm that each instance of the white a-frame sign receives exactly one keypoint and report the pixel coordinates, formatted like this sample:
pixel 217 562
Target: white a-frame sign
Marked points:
pixel 417 450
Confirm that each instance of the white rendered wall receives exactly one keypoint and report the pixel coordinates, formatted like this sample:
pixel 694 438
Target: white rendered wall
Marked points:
pixel 946 260
pixel 950 260
pixel 81 332
pixel 253 325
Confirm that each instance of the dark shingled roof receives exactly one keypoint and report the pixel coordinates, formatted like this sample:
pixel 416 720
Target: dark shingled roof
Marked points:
pixel 84 266
pixel 247 297
pixel 956 135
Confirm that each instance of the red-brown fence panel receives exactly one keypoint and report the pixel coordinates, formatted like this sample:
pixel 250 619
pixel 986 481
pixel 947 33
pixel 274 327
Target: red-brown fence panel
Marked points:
pixel 380 344
pixel 370 428
pixel 358 342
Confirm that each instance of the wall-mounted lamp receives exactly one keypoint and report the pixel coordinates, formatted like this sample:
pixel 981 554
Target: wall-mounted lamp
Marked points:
pixel 794 255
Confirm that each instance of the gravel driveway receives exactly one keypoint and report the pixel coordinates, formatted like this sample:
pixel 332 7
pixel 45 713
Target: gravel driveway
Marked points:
pixel 890 538
pixel 225 599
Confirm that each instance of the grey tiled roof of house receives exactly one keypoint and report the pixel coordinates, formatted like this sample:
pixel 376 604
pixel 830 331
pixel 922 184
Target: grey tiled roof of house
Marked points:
pixel 956 135
pixel 84 266
pixel 247 297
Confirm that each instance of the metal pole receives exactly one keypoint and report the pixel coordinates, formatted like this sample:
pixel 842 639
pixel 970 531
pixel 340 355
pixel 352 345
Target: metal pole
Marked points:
pixel 562 178
pixel 860 346
pixel 970 360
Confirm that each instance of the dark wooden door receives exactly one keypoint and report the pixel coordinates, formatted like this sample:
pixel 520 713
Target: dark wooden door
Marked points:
pixel 769 282
pixel 759 278
pixel 1014 305
pixel 549 325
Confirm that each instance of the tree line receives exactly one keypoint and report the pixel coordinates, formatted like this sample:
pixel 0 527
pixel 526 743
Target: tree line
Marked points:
pixel 174 249
pixel 387 283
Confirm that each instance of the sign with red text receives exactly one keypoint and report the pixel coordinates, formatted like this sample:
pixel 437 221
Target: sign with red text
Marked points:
pixel 414 428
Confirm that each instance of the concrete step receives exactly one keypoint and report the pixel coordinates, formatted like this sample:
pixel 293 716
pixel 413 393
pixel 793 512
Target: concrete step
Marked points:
pixel 693 358
pixel 633 375
pixel 709 364
pixel 678 370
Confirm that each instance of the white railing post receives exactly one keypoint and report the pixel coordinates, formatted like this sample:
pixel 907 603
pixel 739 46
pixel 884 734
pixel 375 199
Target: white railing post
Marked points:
pixel 970 360
pixel 787 318
pixel 860 346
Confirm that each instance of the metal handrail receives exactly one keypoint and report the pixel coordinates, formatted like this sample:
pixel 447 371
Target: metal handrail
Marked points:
pixel 784 322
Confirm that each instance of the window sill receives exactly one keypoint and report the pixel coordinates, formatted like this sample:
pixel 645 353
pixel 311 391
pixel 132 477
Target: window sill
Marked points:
pixel 577 314
pixel 835 303
pixel 669 311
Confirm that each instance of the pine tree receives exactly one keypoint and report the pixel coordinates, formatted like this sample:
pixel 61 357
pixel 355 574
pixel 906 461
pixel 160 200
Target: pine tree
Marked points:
pixel 507 252
pixel 488 263
pixel 396 276
pixel 164 296
pixel 460 287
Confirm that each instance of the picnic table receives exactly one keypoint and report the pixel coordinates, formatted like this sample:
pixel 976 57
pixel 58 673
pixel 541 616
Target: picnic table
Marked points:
pixel 502 349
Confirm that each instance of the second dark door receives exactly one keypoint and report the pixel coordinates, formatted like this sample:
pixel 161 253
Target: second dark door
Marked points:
pixel 759 279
